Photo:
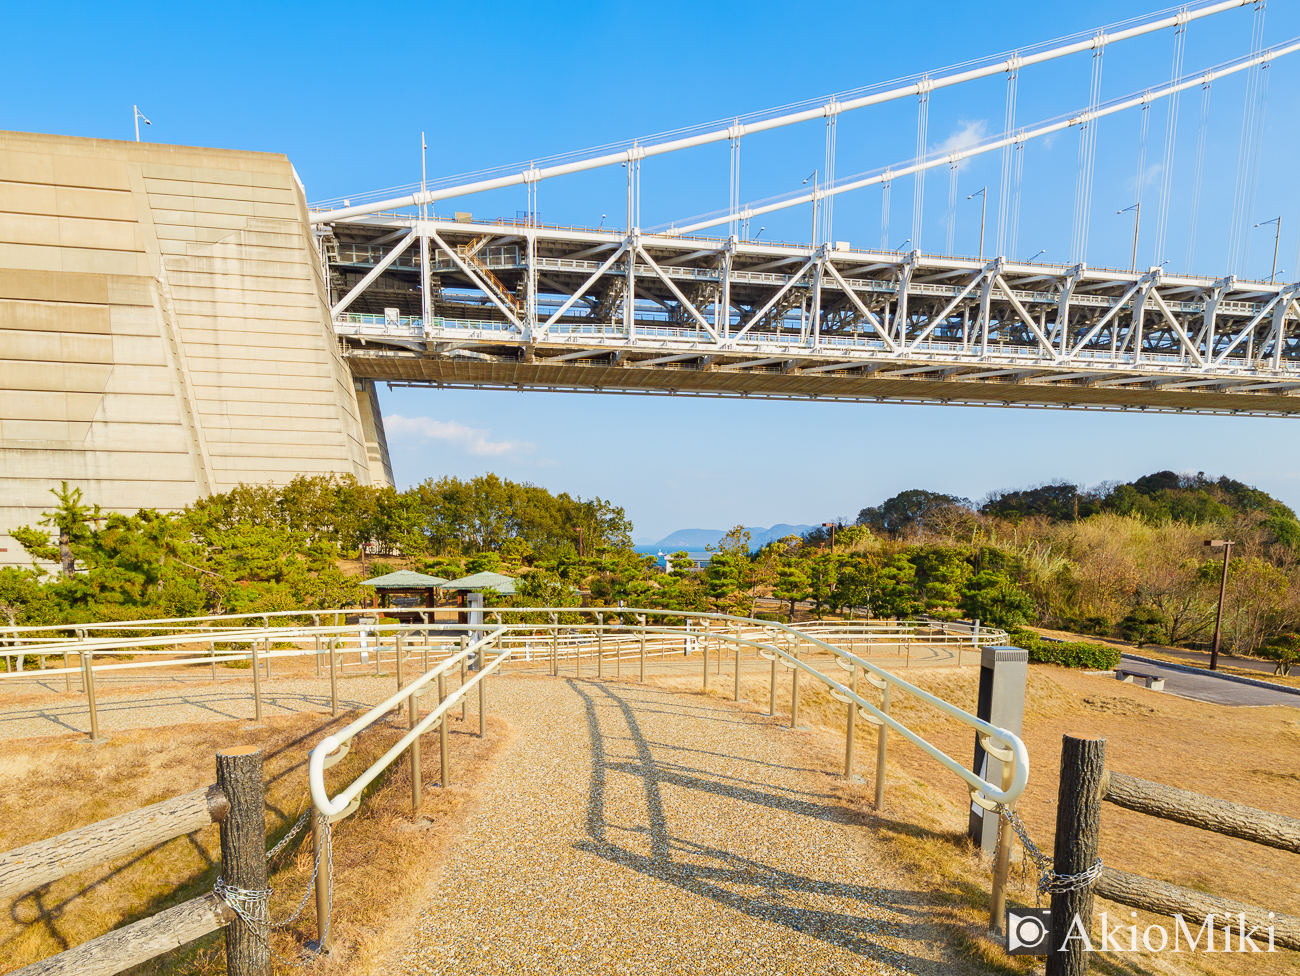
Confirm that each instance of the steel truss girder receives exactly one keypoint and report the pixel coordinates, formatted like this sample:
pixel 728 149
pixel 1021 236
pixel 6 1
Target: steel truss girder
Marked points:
pixel 742 305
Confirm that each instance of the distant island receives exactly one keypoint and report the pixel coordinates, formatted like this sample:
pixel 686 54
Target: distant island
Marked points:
pixel 695 539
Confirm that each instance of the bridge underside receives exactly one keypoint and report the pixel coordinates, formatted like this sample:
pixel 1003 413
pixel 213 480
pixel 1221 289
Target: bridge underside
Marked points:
pixel 506 370
pixel 518 306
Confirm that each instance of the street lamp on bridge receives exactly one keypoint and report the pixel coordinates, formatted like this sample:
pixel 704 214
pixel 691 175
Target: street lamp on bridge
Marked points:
pixel 1226 546
pixel 1277 236
pixel 984 209
pixel 1137 222
pixel 140 115
pixel 813 177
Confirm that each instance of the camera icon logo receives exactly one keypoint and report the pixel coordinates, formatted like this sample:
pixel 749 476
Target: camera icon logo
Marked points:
pixel 1027 931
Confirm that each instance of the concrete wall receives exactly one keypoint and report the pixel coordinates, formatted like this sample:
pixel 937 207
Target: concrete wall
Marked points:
pixel 164 331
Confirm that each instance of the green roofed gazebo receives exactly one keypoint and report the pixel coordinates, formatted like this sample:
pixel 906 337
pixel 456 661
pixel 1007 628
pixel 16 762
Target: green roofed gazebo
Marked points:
pixel 504 585
pixel 404 581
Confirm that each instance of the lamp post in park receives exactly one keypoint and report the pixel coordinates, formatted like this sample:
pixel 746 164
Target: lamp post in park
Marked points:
pixel 1226 546
pixel 832 527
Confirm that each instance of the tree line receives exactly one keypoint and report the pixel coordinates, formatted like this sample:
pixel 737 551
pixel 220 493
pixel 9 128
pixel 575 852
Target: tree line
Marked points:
pixel 262 548
pixel 1116 560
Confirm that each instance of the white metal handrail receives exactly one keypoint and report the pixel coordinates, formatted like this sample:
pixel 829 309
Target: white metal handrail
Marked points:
pixel 610 620
pixel 316 766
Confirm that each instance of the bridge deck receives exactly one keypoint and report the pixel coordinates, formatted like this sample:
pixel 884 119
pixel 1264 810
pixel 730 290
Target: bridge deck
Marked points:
pixel 514 306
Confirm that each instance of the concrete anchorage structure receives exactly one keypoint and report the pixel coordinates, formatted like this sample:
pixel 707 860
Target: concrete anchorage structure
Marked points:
pixel 164 332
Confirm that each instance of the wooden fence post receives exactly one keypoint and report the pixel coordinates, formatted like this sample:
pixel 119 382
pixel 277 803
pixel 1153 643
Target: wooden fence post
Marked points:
pixel 1078 826
pixel 243 855
pixel 704 643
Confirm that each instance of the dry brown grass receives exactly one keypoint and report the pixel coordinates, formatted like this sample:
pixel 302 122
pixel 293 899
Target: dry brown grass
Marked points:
pixel 383 856
pixel 1248 755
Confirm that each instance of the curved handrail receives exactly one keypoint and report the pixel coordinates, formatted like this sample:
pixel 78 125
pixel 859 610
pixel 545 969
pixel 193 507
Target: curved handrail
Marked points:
pixel 316 765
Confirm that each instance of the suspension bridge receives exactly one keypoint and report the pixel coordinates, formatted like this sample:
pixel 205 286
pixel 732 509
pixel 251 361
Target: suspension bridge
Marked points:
pixel 178 320
pixel 700 306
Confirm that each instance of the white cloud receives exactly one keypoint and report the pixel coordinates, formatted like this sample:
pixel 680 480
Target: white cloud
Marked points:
pixel 968 133
pixel 472 440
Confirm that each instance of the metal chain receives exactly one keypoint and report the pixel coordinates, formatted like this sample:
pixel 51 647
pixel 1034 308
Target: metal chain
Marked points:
pixel 252 906
pixel 315 870
pixel 1049 882
pixel 306 815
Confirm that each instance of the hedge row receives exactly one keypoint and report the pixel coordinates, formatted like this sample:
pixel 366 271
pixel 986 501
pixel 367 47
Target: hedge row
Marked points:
pixel 1069 654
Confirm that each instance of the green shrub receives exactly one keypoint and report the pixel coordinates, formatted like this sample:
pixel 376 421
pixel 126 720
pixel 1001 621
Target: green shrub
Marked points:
pixel 1285 650
pixel 1096 626
pixel 1145 625
pixel 779 618
pixel 1068 654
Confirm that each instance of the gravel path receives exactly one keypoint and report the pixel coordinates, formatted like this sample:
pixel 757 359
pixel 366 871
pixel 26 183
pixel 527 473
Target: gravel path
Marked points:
pixel 631 829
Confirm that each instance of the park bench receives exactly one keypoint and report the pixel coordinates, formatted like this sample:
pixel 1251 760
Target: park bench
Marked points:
pixel 1154 681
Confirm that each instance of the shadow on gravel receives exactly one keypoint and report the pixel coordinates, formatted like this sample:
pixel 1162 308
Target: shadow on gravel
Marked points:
pixel 766 887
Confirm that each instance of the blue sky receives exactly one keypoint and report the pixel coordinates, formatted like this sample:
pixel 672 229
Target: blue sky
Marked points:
pixel 345 90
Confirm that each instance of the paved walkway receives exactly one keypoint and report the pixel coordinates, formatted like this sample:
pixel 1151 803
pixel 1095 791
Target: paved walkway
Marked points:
pixel 1208 688
pixel 630 829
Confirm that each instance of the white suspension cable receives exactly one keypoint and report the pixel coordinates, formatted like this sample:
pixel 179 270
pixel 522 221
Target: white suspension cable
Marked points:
pixel 610 155
pixel 829 204
pixel 1253 179
pixel 922 148
pixel 952 206
pixel 989 145
pixel 1018 151
pixel 1240 216
pixel 884 213
pixel 1087 160
pixel 1171 137
pixel 1141 175
pixel 1196 182
pixel 1004 188
pixel 735 185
